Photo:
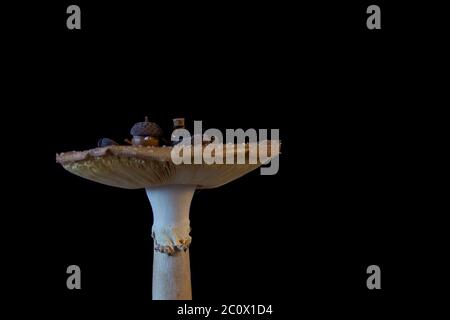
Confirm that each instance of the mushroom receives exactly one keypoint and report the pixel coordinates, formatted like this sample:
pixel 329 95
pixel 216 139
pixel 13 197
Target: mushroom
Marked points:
pixel 146 134
pixel 170 189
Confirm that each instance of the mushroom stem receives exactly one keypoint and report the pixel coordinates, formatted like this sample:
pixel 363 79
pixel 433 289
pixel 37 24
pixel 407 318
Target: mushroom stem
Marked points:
pixel 170 231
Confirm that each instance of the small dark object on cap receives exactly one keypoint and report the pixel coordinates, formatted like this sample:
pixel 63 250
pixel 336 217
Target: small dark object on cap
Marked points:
pixel 146 129
pixel 178 122
pixel 104 142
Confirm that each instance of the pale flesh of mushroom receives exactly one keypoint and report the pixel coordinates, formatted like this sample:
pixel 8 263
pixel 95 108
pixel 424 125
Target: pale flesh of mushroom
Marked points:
pixel 170 231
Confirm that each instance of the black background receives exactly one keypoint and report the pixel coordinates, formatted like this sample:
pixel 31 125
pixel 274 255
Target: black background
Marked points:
pixel 301 240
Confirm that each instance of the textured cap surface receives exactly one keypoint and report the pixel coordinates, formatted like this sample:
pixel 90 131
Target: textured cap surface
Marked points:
pixel 133 167
pixel 147 128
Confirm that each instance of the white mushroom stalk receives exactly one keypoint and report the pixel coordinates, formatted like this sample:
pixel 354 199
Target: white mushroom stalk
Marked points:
pixel 170 189
pixel 170 231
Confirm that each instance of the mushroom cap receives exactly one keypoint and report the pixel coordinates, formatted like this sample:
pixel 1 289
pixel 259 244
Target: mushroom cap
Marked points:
pixel 147 128
pixel 132 167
